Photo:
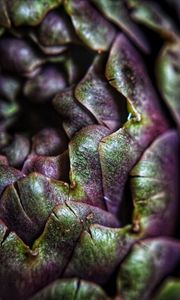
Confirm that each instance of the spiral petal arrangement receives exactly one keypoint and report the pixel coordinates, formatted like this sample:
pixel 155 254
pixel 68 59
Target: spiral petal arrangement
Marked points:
pixel 89 150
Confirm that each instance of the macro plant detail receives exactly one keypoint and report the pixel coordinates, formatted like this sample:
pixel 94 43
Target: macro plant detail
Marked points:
pixel 89 149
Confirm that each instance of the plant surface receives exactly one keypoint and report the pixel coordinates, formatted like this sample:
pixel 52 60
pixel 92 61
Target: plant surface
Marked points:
pixel 89 149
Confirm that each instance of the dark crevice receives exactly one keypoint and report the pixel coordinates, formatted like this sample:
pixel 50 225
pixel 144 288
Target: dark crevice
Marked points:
pixel 77 289
pixel 110 285
pixel 82 57
pixel 145 177
pixel 16 187
pixel 34 117
pixel 70 208
pixel 70 256
pixel 126 207
pixel 53 213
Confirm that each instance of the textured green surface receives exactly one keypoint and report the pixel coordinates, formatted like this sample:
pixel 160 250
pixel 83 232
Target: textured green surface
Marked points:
pixel 95 93
pixel 154 185
pixel 152 16
pixel 90 26
pixel 117 12
pixel 168 77
pixel 120 151
pixel 89 108
pixel 170 290
pixel 75 117
pixel 71 289
pixel 85 169
pixel 29 12
pixel 146 266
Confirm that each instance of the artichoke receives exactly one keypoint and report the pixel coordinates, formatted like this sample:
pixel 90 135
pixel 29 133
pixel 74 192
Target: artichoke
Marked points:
pixel 89 144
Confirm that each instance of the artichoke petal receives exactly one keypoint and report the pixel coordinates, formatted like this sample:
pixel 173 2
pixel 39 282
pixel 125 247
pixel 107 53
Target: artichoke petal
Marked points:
pixel 95 31
pixel 147 264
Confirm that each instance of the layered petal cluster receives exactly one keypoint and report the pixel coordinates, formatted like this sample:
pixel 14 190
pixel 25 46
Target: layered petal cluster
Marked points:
pixel 89 150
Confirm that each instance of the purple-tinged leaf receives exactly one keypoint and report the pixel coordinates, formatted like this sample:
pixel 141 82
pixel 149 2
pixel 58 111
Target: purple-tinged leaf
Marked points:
pixel 49 142
pixel 85 168
pixel 169 290
pixel 117 12
pixel 45 85
pixel 74 115
pixel 55 167
pixel 154 185
pixel 95 93
pixel 168 77
pixel 26 205
pixel 48 50
pixel 147 264
pixel 121 150
pixel 8 175
pixel 51 252
pixel 17 150
pixel 98 252
pixel 56 29
pixel 95 31
pixel 71 289
pixel 19 57
pixel 151 15
pixel 27 12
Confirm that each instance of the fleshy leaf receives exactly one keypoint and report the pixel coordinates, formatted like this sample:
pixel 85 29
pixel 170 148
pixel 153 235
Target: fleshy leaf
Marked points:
pixel 168 77
pixel 98 252
pixel 85 169
pixel 19 56
pixel 50 253
pixel 126 72
pixel 169 290
pixel 56 29
pixel 45 261
pixel 8 175
pixel 147 264
pixel 95 93
pixel 71 289
pixel 48 50
pixel 154 186
pixel 17 150
pixel 75 117
pixel 95 31
pixel 117 12
pixel 33 197
pixel 120 150
pixel 56 167
pixel 45 85
pixel 151 15
pixel 27 12
pixel 49 142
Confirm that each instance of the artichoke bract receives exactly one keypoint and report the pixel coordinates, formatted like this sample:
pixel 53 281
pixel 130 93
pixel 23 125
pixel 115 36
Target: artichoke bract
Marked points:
pixel 89 150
